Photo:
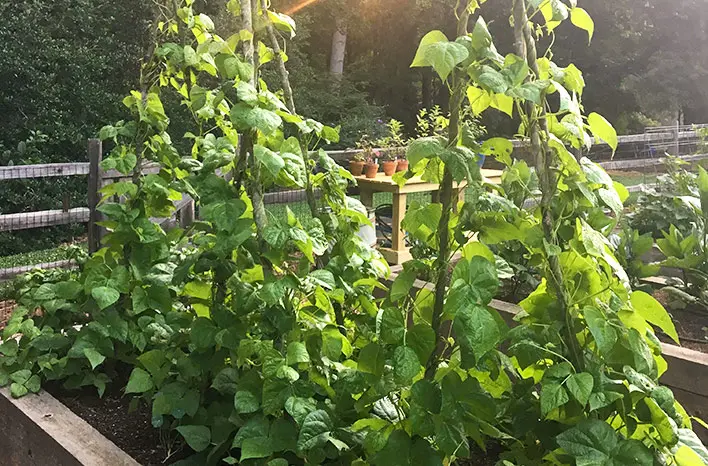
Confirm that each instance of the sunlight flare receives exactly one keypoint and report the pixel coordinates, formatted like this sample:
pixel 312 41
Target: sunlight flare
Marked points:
pixel 299 6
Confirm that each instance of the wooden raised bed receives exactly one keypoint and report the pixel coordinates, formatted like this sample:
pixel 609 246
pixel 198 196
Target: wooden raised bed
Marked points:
pixel 39 430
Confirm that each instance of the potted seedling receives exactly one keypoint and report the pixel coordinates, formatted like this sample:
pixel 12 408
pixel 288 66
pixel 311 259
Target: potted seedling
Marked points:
pixel 402 161
pixel 356 163
pixel 372 167
pixel 390 161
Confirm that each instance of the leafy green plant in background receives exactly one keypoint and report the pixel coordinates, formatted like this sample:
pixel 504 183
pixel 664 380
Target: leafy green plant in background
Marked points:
pixel 674 200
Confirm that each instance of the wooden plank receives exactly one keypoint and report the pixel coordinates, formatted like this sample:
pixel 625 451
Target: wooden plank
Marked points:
pixel 40 430
pixel 45 218
pixel 151 168
pixel 12 272
pixel 23 172
pixel 95 151
pixel 398 237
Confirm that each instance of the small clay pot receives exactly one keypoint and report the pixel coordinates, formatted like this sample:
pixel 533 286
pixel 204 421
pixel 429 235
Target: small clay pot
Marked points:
pixel 402 165
pixel 389 167
pixel 371 169
pixel 356 167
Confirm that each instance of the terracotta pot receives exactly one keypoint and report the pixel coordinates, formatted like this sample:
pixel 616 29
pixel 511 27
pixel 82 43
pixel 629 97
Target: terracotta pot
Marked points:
pixel 402 165
pixel 389 167
pixel 356 167
pixel 371 169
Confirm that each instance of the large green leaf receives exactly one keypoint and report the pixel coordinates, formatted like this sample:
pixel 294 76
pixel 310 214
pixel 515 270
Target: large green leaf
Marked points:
pixel 602 129
pixel 499 148
pixel 402 285
pixel 580 386
pixel 594 443
pixel 245 118
pixel 652 311
pixel 315 431
pixel 603 332
pixel 440 53
pixel 553 396
pixel 473 282
pixel 197 437
pixel 421 339
pixel 272 161
pixel 424 148
pixel 582 19
pixel 405 365
pixel 139 381
pixel 105 296
pixel 476 329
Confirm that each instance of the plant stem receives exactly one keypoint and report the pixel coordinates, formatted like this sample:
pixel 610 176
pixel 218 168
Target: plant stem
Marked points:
pixel 446 197
pixel 538 132
pixel 289 103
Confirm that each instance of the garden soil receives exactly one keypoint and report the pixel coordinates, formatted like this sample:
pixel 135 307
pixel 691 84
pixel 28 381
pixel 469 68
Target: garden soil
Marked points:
pixel 131 431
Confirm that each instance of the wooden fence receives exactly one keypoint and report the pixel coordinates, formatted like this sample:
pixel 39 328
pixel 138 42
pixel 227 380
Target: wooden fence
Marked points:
pixel 677 137
pixel 97 179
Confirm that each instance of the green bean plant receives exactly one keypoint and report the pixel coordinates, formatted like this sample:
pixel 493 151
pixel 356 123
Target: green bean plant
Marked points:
pixel 578 380
pixel 258 339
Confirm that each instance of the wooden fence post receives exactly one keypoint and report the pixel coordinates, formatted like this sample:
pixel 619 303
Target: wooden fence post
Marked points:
pixel 186 215
pixel 95 153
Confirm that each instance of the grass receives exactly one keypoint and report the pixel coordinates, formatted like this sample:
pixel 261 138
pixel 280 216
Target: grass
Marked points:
pixel 35 257
pixel 630 178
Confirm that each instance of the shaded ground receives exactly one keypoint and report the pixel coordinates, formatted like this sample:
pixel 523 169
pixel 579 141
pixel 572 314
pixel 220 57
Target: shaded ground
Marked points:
pixel 131 431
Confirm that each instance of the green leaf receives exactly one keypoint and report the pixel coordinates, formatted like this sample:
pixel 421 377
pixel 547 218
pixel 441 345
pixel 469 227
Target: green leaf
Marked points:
pixel 602 331
pixel 664 425
pixel 297 353
pixel 139 381
pixel 197 437
pixel 105 296
pixel 299 408
pixel 476 330
pixel 594 442
pixel 582 19
pixel 391 325
pixel 602 129
pixel 371 359
pixel 474 281
pixel 553 396
pixel 402 285
pixel 530 91
pixel 272 161
pixel 499 148
pixel 421 339
pixel 652 311
pixel 430 38
pixel 94 357
pixel 246 402
pixel 436 51
pixel 580 386
pixel 256 447
pixel 245 117
pixel 315 431
pixel 405 365
pixel 688 439
pixel 18 390
pixel 423 148
pixel 480 99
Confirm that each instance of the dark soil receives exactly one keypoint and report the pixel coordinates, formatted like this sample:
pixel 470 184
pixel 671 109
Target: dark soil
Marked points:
pixel 130 431
pixel 481 458
pixel 691 325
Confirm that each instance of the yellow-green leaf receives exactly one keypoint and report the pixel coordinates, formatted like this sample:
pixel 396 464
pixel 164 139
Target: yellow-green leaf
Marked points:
pixel 582 19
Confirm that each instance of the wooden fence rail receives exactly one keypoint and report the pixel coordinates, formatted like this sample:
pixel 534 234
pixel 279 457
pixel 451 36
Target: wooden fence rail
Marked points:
pixel 185 209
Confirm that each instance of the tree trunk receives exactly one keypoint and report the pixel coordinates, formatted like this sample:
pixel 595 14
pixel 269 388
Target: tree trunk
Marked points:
pixel 339 47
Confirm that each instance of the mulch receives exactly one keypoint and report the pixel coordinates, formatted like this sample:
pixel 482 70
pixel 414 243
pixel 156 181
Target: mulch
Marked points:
pixel 6 308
